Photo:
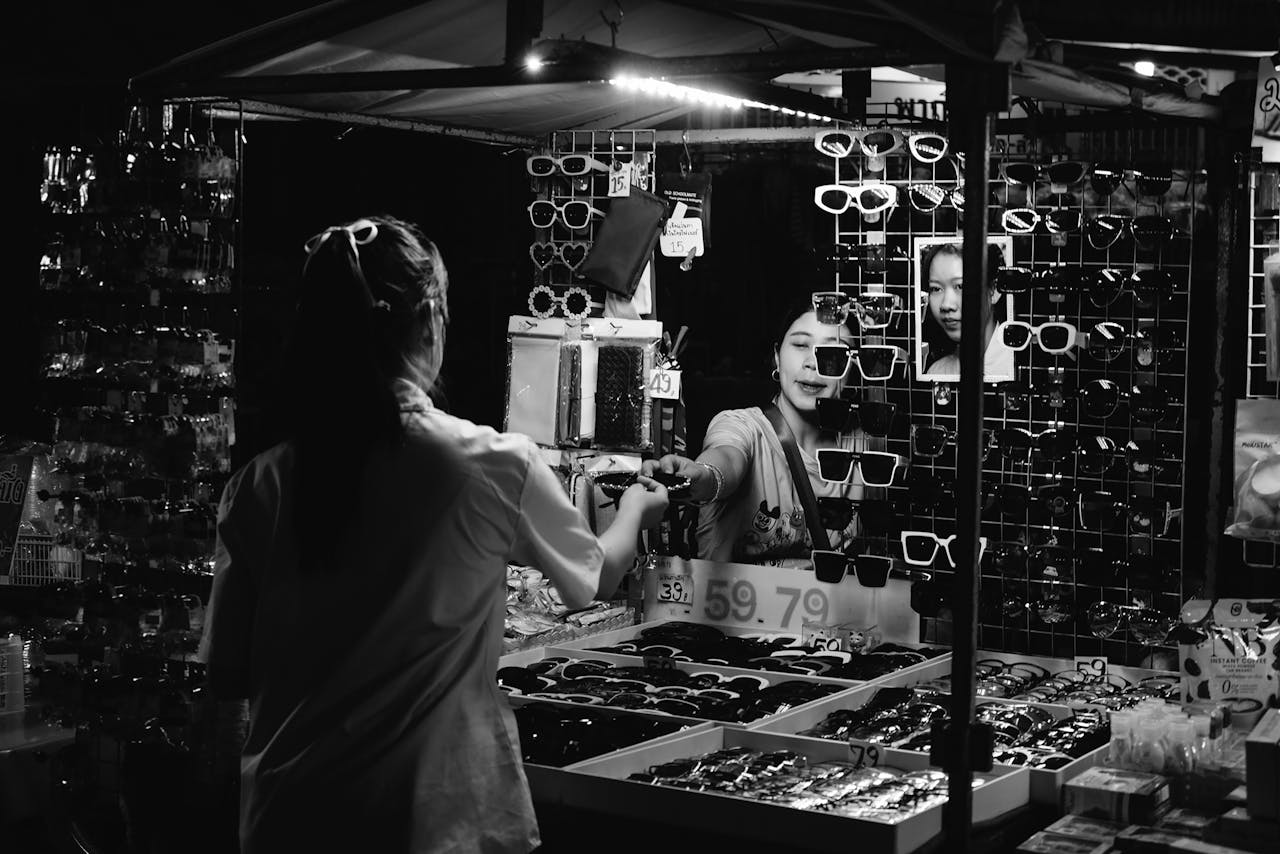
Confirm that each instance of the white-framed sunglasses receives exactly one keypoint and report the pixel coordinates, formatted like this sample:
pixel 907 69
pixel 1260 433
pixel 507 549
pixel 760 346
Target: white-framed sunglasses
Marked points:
pixel 573 165
pixel 874 361
pixel 1055 336
pixel 575 304
pixel 878 468
pixel 869 198
pixel 919 548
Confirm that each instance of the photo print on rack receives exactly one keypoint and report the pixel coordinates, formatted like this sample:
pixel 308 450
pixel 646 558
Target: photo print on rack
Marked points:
pixel 939 275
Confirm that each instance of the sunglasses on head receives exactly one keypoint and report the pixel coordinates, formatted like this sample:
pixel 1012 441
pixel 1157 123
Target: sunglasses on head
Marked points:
pixel 875 515
pixel 571 254
pixel 1062 173
pixel 1055 336
pixel 1149 232
pixel 543 302
pixel 873 310
pixel 876 417
pixel 919 548
pixel 868 198
pixel 927 198
pixel 575 214
pixel 835 465
pixel 541 165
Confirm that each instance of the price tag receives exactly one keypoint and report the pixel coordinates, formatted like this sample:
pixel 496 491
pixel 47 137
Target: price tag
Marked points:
pixel 620 179
pixel 675 588
pixel 864 754
pixel 664 383
pixel 680 237
pixel 1092 665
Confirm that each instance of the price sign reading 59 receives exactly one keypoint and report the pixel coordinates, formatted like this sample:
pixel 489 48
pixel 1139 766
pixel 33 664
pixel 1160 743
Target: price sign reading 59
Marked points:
pixel 739 600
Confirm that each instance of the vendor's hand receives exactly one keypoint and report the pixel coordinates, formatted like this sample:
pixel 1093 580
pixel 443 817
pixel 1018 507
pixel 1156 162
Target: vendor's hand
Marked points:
pixel 646 497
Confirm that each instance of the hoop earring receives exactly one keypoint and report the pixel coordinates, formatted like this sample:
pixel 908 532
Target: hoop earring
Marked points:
pixel 777 377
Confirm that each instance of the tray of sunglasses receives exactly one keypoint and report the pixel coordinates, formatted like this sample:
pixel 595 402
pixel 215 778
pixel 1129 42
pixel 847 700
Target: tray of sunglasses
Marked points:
pixel 782 789
pixel 1061 681
pixel 745 649
pixel 901 718
pixel 662 686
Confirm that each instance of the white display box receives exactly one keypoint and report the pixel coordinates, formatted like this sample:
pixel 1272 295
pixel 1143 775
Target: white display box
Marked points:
pixel 1046 785
pixel 913 675
pixel 600 785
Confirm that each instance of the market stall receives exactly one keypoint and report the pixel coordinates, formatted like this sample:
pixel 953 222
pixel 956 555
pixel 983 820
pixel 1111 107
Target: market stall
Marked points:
pixel 1033 608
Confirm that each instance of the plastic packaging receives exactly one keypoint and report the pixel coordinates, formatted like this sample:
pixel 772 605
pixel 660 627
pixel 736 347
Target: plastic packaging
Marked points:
pixel 1148 749
pixel 12 691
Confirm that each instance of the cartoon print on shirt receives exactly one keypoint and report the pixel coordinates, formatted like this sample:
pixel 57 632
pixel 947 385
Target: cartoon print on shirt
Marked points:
pixel 772 530
pixel 765 518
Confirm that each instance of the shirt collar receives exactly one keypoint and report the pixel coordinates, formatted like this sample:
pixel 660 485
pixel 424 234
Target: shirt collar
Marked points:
pixel 410 397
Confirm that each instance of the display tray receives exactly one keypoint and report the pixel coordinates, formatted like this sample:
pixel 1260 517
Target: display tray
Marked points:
pixel 1133 675
pixel 600 785
pixel 527 657
pixel 1045 784
pixel 931 669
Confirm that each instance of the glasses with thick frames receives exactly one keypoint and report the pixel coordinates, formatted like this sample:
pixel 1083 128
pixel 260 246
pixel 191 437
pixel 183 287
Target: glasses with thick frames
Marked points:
pixel 873 310
pixel 1055 336
pixel 878 468
pixel 927 198
pixel 870 198
pixel 1052 443
pixel 1106 286
pixel 836 414
pixel 575 304
pixel 1028 221
pixel 576 214
pixel 930 440
pixel 573 165
pixel 876 417
pixel 875 515
pixel 874 361
pixel 1063 173
pixel 1150 232
pixel 920 548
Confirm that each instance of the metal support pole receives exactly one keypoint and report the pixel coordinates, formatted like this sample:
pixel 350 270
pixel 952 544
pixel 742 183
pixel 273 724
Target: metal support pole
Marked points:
pixel 973 92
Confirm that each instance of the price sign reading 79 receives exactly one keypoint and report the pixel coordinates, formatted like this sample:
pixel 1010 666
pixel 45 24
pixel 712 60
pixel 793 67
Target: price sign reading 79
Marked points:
pixel 740 600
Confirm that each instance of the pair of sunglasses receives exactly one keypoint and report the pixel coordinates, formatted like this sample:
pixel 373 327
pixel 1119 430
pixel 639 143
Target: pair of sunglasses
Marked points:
pixel 1149 232
pixel 1147 625
pixel 573 165
pixel 831 566
pixel 874 361
pixel 1053 443
pixel 1104 286
pixel 877 142
pixel 570 254
pixel 876 515
pixel 575 214
pixel 836 465
pixel 920 548
pixel 1028 221
pixel 870 198
pixel 874 311
pixel 1063 173
pixel 1108 340
pixel 1148 404
pixel 1054 337
pixel 925 489
pixel 575 304
pixel 927 198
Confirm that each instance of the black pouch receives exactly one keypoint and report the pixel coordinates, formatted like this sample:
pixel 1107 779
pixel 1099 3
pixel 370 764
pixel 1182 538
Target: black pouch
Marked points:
pixel 624 243
pixel 620 399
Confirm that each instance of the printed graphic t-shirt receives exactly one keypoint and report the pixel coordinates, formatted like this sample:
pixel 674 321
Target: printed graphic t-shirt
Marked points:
pixel 763 521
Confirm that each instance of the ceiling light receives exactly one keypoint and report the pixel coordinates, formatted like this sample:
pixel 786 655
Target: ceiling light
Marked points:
pixel 1145 67
pixel 702 96
pixel 533 62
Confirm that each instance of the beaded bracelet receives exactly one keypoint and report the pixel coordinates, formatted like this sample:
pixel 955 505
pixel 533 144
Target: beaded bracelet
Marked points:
pixel 719 476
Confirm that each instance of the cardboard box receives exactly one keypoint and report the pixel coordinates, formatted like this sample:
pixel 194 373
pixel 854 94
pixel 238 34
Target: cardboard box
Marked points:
pixel 1051 843
pixel 1133 797
pixel 1262 767
pixel 1085 827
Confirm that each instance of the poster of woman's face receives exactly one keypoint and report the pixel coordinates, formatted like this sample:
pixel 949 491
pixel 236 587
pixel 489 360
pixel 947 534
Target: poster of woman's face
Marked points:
pixel 939 269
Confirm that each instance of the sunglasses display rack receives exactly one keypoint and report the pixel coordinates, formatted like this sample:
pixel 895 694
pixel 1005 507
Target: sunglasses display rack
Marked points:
pixel 570 181
pixel 138 318
pixel 1082 474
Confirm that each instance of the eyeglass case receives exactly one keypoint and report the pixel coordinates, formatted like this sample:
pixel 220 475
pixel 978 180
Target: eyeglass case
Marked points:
pixel 624 242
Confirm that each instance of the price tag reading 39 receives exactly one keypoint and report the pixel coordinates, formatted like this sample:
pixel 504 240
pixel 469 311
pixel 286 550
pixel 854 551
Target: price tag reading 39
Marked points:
pixel 675 588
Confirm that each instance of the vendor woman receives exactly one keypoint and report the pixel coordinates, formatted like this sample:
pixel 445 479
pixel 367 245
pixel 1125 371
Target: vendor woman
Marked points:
pixel 752 512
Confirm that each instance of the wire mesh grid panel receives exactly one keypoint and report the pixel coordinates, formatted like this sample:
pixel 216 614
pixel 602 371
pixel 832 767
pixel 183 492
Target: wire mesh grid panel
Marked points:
pixel 571 181
pixel 1264 241
pixel 1083 436
pixel 38 559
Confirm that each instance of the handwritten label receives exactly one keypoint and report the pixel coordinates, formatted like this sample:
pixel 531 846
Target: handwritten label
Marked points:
pixel 675 588
pixel 620 179
pixel 1092 665
pixel 664 383
pixel 680 237
pixel 864 754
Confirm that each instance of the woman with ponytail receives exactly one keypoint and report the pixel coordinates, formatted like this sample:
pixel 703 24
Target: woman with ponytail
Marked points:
pixel 358 594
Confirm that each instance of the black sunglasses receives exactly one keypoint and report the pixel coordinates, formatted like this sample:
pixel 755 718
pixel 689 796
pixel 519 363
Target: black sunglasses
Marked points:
pixel 927 490
pixel 1095 454
pixel 1011 499
pixel 1106 180
pixel 1100 510
pixel 930 440
pixel 1153 180
pixel 1147 458
pixel 1149 404
pixel 876 515
pixel 1053 443
pixel 1100 398
pixel 1106 341
pixel 1157 345
pixel 1098 568
pixel 1052 562
pixel 1008 559
pixel 1062 173
pixel 1056 499
pixel 837 414
pixel 876 417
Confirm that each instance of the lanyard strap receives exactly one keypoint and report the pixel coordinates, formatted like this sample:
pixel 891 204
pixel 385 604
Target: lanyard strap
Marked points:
pixel 799 476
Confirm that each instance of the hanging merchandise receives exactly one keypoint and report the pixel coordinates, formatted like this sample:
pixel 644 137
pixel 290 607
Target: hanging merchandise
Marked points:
pixel 688 232
pixel 1271 287
pixel 1256 513
pixel 624 242
pixel 1228 653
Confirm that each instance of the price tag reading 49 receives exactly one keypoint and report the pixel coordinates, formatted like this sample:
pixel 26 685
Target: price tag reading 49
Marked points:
pixel 664 384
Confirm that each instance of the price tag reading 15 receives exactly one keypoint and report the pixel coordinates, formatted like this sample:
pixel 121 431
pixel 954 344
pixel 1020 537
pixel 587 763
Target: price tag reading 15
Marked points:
pixel 738 599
